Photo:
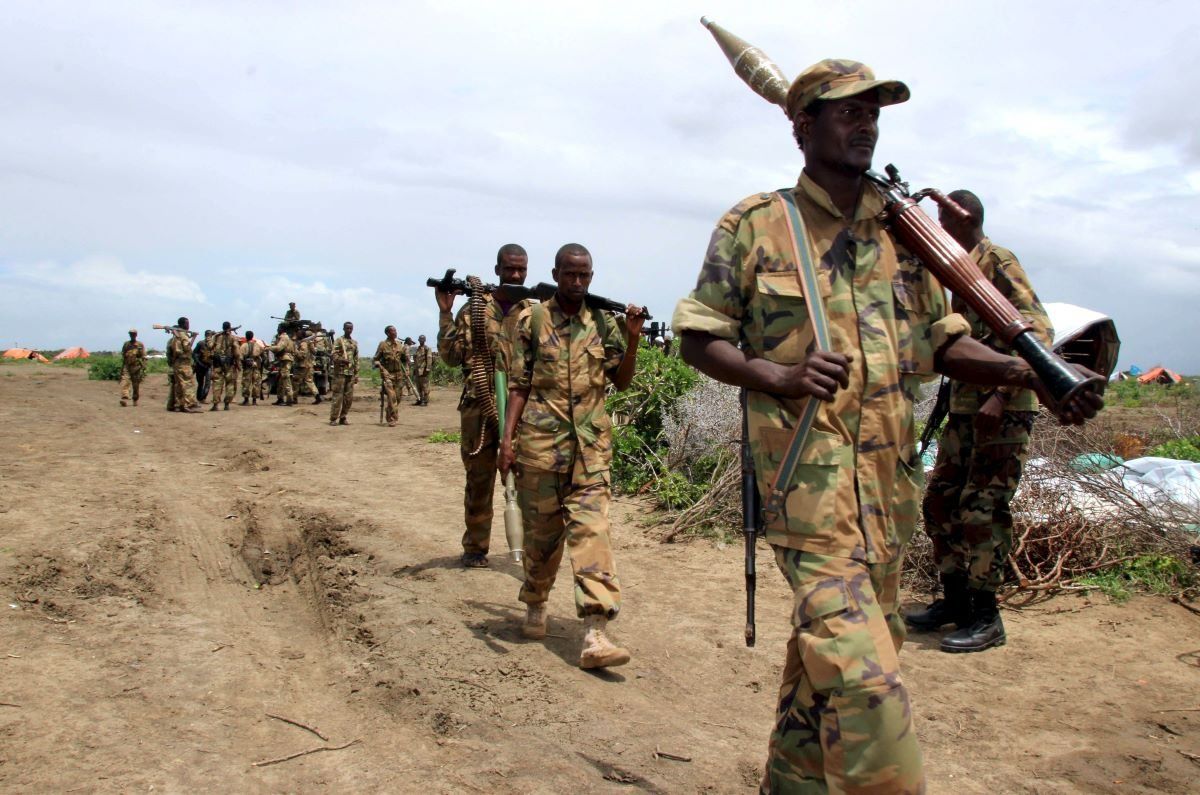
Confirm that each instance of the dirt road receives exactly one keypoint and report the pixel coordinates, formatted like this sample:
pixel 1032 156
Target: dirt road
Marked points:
pixel 170 581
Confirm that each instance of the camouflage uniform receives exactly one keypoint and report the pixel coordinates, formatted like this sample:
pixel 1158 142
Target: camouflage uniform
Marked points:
pixel 291 316
pixel 422 367
pixel 133 369
pixel 223 350
pixel 390 356
pixel 563 450
pixel 202 368
pixel 345 375
pixel 250 352
pixel 966 506
pixel 285 353
pixel 843 721
pixel 182 394
pixel 302 369
pixel 454 344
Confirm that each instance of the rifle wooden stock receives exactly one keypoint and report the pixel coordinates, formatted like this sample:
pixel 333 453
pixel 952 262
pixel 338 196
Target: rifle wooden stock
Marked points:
pixel 955 269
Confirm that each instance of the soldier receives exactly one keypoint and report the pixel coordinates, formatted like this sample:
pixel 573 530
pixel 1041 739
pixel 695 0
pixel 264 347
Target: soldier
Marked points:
pixel 478 453
pixel 302 369
pixel 980 455
pixel 182 395
pixel 202 364
pixel 133 367
pixel 223 350
pixel 561 354
pixel 251 352
pixel 390 357
pixel 422 367
pixel 844 722
pixel 292 315
pixel 345 375
pixel 285 353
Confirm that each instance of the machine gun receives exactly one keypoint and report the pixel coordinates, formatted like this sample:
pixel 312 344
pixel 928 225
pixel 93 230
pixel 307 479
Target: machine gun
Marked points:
pixel 512 293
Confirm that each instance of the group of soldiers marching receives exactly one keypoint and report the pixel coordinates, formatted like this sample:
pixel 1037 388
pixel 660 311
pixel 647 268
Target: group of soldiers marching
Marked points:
pixel 210 370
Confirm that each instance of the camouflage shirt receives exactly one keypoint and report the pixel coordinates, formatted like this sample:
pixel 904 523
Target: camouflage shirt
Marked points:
pixel 223 349
pixel 133 355
pixel 856 491
pixel 391 355
pixel 345 356
pixel 304 352
pixel 1000 267
pixel 424 360
pixel 249 353
pixel 179 348
pixel 284 348
pixel 454 336
pixel 564 372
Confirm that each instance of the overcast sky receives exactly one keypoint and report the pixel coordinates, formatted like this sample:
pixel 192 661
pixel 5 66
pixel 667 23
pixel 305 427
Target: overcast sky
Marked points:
pixel 219 159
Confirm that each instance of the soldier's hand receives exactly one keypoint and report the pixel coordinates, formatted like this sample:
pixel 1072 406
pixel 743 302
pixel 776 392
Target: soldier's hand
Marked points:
pixel 987 420
pixel 504 459
pixel 820 375
pixel 445 300
pixel 635 317
pixel 1082 406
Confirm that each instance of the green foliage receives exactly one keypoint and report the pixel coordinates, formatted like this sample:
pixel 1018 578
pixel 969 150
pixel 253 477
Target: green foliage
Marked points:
pixel 445 437
pixel 1131 394
pixel 107 366
pixel 1183 449
pixel 1155 573
pixel 444 374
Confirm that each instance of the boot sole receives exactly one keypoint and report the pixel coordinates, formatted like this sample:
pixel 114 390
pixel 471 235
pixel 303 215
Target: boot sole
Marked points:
pixel 610 660
pixel 533 633
pixel 969 649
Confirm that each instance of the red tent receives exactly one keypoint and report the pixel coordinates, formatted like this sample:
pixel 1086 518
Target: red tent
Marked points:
pixel 24 353
pixel 1160 375
pixel 73 353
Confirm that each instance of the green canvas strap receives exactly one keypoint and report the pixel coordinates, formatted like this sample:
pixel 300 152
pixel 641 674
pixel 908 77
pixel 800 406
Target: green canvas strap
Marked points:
pixel 806 275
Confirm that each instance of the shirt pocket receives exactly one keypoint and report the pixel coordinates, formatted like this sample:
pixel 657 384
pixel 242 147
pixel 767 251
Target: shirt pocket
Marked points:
pixel 810 504
pixel 595 365
pixel 545 367
pixel 783 322
pixel 911 309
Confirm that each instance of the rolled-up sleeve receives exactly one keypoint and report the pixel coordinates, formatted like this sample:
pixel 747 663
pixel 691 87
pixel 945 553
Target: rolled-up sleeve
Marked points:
pixel 717 304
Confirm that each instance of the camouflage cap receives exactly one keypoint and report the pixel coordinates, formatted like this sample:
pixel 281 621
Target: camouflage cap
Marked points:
pixel 836 78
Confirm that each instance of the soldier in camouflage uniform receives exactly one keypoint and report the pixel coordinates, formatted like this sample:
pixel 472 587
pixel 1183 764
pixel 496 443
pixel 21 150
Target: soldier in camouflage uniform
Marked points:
pixel 390 357
pixel 292 315
pixel 202 367
pixel 251 353
pixel 454 345
pixel 182 394
pixel 285 353
pixel 133 367
pixel 844 722
pixel 302 369
pixel 345 375
pixel 222 348
pixel 560 357
pixel 979 461
pixel 421 368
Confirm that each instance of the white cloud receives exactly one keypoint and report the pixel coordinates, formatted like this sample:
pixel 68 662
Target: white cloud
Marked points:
pixel 107 275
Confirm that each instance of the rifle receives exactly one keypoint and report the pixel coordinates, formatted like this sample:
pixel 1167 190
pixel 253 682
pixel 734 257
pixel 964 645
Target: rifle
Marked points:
pixel 381 393
pixel 751 517
pixel 954 268
pixel 941 407
pixel 170 329
pixel 514 524
pixel 512 293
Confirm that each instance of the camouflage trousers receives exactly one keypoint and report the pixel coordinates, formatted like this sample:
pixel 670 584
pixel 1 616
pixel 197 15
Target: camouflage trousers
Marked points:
pixel 404 383
pixel 342 388
pixel 182 392
pixel 966 506
pixel 843 722
pixel 252 383
pixel 423 388
pixel 224 384
pixel 569 509
pixel 131 382
pixel 283 382
pixel 391 383
pixel 481 477
pixel 302 380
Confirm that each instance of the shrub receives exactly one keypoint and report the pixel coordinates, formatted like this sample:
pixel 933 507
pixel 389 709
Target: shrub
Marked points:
pixel 1183 449
pixel 444 437
pixel 104 368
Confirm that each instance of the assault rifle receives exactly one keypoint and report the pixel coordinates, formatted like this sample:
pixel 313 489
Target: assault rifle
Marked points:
pixel 751 518
pixel 512 293
pixel 170 329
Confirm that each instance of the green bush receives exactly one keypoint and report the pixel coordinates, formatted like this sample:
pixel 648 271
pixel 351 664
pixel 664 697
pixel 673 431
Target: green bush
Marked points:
pixel 445 437
pixel 1157 574
pixel 1182 449
pixel 445 375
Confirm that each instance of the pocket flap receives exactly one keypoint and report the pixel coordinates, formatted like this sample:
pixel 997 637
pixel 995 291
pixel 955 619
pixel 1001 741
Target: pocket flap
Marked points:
pixel 596 351
pixel 782 283
pixel 820 447
pixel 825 597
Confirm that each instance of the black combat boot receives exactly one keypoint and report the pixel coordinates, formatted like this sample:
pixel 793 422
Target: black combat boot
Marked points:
pixel 245 401
pixel 986 629
pixel 214 407
pixel 953 608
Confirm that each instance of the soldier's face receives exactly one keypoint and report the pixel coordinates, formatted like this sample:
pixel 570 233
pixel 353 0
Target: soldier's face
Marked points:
pixel 513 268
pixel 348 328
pixel 843 134
pixel 573 275
pixel 390 332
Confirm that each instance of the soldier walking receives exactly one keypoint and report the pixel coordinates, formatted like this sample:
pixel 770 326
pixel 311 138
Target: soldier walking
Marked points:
pixel 478 453
pixel 345 375
pixel 390 357
pixel 133 367
pixel 202 364
pixel 285 353
pixel 422 368
pixel 251 354
pixel 562 354
pixel 302 369
pixel 182 395
pixel 223 350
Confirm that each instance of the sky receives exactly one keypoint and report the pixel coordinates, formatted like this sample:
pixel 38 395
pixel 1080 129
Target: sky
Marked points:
pixel 219 159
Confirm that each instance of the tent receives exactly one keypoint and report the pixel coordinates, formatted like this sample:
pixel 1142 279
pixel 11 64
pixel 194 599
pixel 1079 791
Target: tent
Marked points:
pixel 1159 375
pixel 24 353
pixel 73 353
pixel 1084 336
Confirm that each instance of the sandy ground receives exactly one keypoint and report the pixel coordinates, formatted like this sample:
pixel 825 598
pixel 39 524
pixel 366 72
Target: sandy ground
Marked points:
pixel 169 580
